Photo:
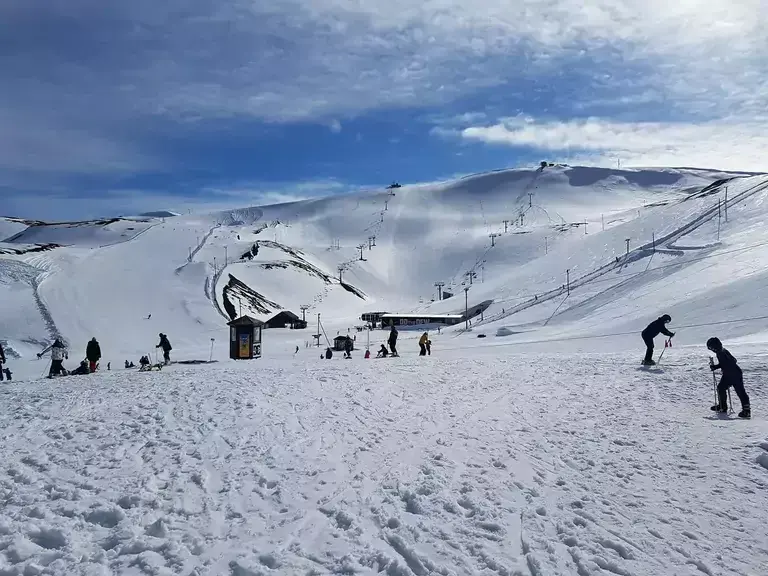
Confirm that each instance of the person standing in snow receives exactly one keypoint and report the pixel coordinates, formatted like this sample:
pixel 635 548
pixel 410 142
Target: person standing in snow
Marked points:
pixel 658 326
pixel 58 355
pixel 93 354
pixel 393 340
pixel 423 344
pixel 732 376
pixel 2 362
pixel 166 346
pixel 348 347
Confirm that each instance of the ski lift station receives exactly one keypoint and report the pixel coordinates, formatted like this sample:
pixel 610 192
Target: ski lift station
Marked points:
pixel 420 319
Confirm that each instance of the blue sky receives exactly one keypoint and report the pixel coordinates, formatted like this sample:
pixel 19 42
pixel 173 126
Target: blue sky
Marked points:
pixel 110 107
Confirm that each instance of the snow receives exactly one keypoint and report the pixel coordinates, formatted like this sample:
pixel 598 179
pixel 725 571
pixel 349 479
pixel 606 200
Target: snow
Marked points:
pixel 582 465
pixel 540 449
pixel 10 227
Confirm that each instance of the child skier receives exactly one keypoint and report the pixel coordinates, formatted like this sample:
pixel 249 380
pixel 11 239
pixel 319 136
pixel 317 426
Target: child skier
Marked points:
pixel 732 376
pixel 653 329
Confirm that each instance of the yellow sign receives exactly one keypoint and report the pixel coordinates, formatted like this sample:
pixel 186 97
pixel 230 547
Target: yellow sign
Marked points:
pixel 245 345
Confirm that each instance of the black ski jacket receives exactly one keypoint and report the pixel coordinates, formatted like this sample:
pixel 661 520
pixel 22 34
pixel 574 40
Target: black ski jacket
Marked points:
pixel 393 335
pixel 727 363
pixel 164 344
pixel 93 351
pixel 2 355
pixel 655 328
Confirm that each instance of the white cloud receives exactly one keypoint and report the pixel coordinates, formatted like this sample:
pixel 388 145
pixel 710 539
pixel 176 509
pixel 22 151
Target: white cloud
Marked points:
pixel 97 79
pixel 735 145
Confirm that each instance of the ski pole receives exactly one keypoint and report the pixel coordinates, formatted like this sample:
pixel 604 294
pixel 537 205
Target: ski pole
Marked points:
pixel 714 382
pixel 666 345
pixel 730 402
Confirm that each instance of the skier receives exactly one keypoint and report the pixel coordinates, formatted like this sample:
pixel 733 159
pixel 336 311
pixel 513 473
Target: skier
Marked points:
pixel 93 354
pixel 348 347
pixel 383 352
pixel 429 347
pixel 58 355
pixel 2 361
pixel 732 376
pixel 423 344
pixel 393 341
pixel 653 329
pixel 166 346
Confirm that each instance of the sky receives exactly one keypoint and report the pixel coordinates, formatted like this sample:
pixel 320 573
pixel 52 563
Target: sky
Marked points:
pixel 111 107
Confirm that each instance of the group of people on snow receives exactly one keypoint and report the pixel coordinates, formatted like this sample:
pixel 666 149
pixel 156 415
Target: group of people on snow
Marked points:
pixel 59 353
pixel 90 364
pixel 732 376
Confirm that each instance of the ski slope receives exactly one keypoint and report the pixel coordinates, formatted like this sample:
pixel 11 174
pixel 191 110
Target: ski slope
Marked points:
pixel 125 280
pixel 539 449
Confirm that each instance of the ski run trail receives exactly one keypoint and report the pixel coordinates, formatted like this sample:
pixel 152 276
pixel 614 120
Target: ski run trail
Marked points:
pixel 473 462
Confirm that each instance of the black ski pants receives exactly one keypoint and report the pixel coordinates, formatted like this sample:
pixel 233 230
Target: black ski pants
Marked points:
pixel 423 351
pixel 648 348
pixel 2 372
pixel 393 347
pixel 57 367
pixel 737 381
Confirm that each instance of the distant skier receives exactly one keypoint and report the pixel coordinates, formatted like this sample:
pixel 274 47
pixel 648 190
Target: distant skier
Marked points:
pixel 166 346
pixel 653 329
pixel 392 341
pixel 732 376
pixel 423 344
pixel 93 354
pixel 58 355
pixel 2 361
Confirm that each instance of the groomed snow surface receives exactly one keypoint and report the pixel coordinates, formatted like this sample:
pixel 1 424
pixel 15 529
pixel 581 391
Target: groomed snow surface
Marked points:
pixel 458 463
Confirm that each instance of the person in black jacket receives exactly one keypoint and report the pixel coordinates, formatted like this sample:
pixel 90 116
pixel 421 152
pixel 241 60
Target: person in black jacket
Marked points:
pixel 93 354
pixel 166 346
pixel 393 341
pixel 732 376
pixel 653 329
pixel 2 361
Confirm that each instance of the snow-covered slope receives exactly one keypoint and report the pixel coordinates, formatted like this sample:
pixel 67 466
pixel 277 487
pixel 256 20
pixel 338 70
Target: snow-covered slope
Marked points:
pixel 10 226
pixel 126 280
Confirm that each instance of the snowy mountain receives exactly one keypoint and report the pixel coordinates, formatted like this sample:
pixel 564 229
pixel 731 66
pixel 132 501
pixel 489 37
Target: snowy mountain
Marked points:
pixel 496 455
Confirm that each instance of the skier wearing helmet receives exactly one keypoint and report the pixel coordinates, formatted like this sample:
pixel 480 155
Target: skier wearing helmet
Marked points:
pixel 732 376
pixel 658 326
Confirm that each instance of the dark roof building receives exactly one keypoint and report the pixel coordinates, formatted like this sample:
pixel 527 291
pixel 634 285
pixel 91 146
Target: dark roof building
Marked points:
pixel 284 319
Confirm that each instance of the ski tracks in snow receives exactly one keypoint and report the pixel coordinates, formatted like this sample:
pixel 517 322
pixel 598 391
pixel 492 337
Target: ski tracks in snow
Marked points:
pixel 511 466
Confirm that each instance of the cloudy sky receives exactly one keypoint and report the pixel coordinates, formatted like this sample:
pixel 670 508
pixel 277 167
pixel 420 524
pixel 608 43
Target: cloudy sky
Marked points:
pixel 110 106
